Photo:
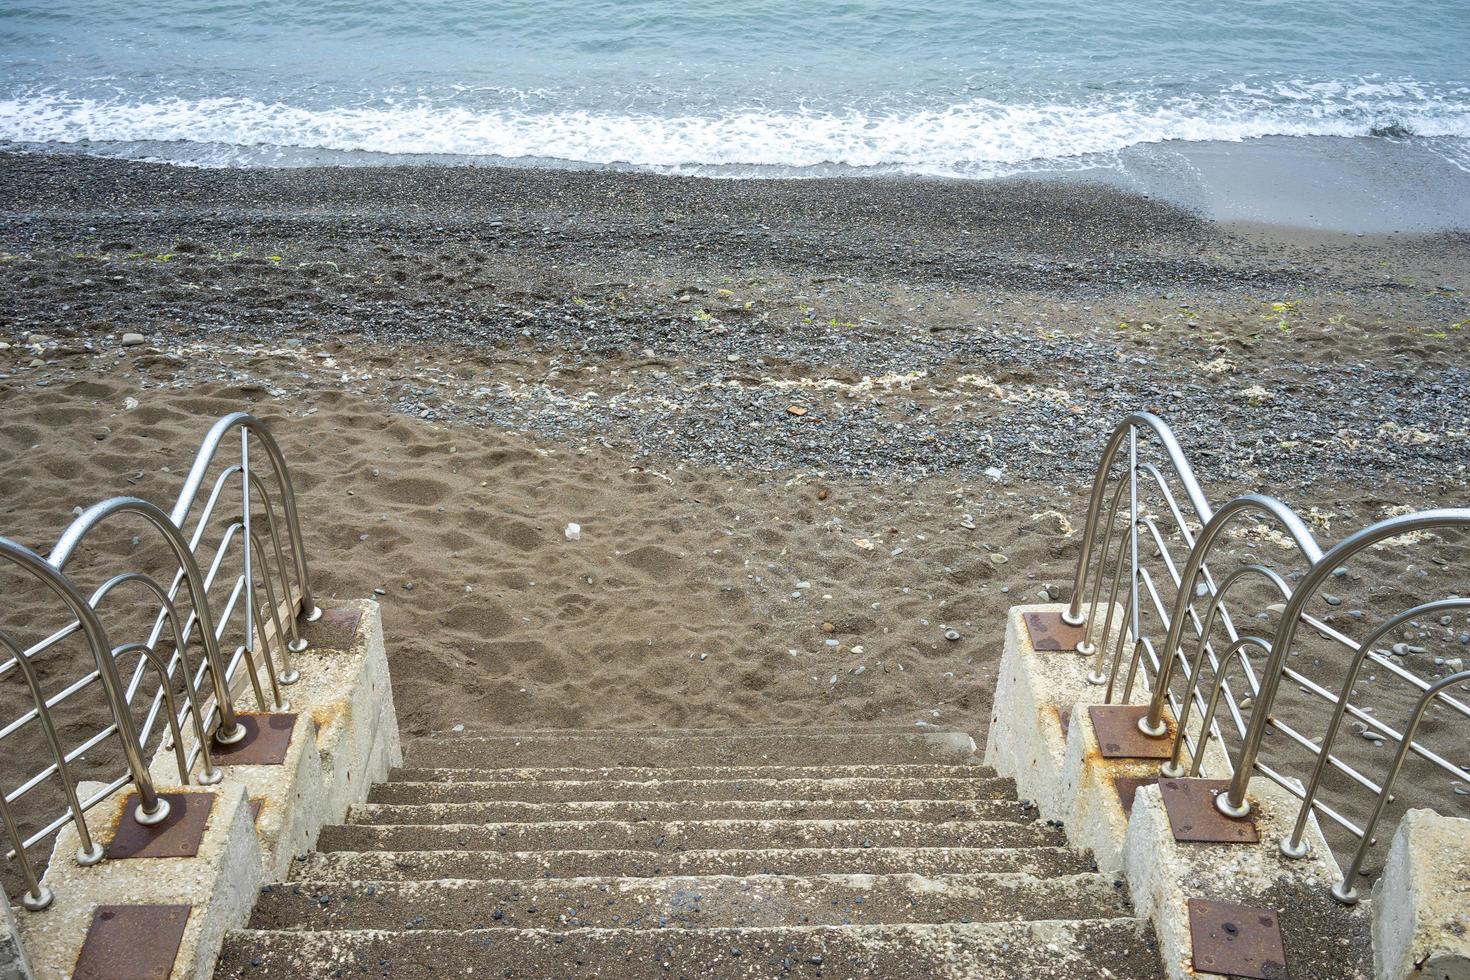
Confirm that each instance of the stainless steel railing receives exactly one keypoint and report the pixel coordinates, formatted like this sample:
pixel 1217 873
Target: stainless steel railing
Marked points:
pixel 1166 549
pixel 226 570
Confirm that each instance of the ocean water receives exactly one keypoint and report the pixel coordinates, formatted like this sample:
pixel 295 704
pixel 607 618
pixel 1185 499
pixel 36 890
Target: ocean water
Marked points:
pixel 950 88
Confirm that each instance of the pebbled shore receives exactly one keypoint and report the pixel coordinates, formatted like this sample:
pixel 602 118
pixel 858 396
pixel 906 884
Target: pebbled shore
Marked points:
pixel 922 326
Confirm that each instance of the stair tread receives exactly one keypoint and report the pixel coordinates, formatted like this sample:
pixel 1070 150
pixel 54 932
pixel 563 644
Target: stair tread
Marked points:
pixel 685 901
pixel 657 750
pixel 863 727
pixel 675 834
pixel 656 790
pixel 717 773
pixel 1086 948
pixel 429 865
pixel 517 811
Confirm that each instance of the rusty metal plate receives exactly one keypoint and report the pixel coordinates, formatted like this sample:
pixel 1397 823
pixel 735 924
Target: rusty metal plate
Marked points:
pixel 335 630
pixel 267 737
pixel 1116 727
pixel 1127 789
pixel 1236 939
pixel 1064 716
pixel 1193 817
pixel 132 942
pixel 179 835
pixel 1049 633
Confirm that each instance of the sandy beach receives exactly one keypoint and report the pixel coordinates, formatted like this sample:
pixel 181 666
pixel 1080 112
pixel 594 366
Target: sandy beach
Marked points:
pixel 806 427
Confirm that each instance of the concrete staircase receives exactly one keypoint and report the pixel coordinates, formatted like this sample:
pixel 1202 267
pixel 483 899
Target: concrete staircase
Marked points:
pixel 862 851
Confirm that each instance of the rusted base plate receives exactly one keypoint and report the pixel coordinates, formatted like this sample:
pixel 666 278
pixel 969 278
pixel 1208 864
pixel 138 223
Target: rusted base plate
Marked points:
pixel 1127 788
pixel 1048 632
pixel 132 942
pixel 267 737
pixel 1116 727
pixel 1193 817
pixel 335 630
pixel 179 835
pixel 1236 939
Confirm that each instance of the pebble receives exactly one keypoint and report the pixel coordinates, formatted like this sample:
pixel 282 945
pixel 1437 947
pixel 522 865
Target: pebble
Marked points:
pixel 1330 599
pixel 380 591
pixel 951 635
pixel 997 558
pixel 407 586
pixel 574 532
pixel 133 340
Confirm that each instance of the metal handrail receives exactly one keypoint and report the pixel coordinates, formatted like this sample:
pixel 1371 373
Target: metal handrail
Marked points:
pixel 1344 891
pixel 211 719
pixel 1193 581
pixel 1128 429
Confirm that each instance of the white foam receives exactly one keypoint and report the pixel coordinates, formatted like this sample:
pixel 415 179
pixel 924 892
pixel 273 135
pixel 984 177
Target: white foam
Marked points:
pixel 976 138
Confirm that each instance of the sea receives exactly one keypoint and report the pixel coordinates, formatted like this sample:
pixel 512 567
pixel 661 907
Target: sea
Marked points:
pixel 1162 95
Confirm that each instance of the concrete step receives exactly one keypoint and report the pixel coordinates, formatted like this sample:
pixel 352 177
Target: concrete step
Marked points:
pixel 1084 949
pixel 422 792
pixel 840 728
pixel 673 835
pixel 926 811
pixel 962 770
pixel 685 902
pixel 666 751
pixel 1040 862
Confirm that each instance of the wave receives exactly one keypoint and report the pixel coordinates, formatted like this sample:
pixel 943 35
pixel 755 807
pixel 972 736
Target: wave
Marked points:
pixel 975 138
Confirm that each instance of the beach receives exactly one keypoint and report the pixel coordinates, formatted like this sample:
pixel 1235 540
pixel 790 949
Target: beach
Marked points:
pixel 806 428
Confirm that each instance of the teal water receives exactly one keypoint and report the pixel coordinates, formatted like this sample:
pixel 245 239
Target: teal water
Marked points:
pixel 738 87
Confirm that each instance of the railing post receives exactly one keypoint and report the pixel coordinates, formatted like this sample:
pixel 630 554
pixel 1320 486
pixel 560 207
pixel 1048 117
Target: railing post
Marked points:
pixel 152 808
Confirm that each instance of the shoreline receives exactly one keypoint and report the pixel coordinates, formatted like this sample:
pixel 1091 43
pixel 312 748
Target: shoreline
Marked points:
pixel 1353 185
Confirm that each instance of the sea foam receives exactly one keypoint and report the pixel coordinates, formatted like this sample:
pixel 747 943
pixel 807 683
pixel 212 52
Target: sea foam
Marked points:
pixel 976 138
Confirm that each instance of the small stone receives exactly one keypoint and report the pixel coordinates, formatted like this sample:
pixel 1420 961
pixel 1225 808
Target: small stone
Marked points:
pixel 380 591
pixel 822 493
pixel 997 558
pixel 1455 663
pixel 829 627
pixel 994 472
pixel 407 586
pixel 133 340
pixel 574 532
pixel 951 635
pixel 796 410
pixel 1330 599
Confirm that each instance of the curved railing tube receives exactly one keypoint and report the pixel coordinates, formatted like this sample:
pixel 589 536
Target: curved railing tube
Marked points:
pixel 1344 891
pixel 1153 723
pixel 211 773
pixel 88 851
pixel 1174 768
pixel 208 449
pixel 1073 614
pixel 37 896
pixel 1294 845
pixel 151 807
pixel 1233 802
pixel 230 730
pixel 1233 653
